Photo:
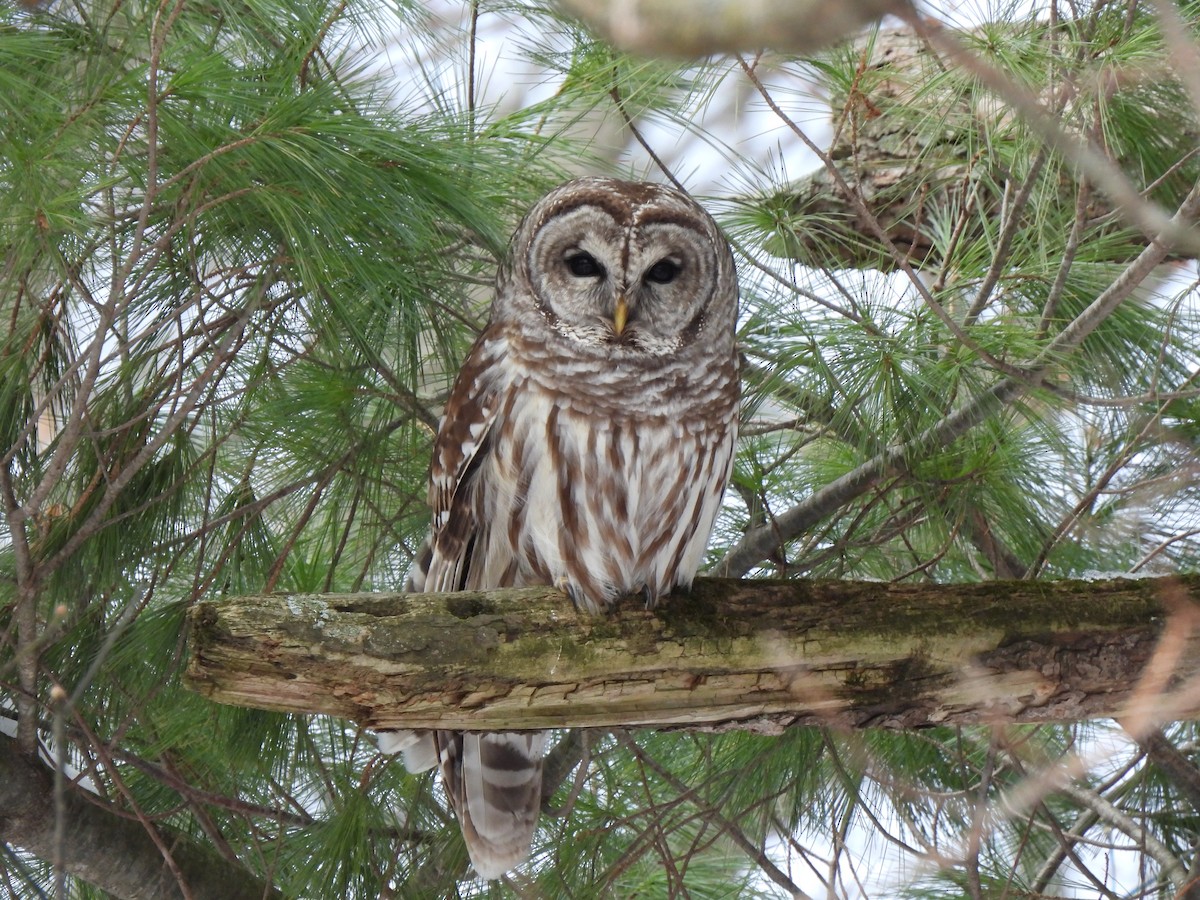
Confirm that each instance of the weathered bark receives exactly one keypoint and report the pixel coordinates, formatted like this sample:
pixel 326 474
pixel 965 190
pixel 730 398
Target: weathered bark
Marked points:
pixel 734 654
pixel 106 848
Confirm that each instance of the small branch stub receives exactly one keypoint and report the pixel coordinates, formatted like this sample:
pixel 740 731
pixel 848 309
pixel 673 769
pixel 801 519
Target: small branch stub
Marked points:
pixel 760 655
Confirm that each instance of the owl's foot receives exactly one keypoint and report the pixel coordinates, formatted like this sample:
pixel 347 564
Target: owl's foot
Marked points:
pixel 563 583
pixel 649 597
pixel 581 601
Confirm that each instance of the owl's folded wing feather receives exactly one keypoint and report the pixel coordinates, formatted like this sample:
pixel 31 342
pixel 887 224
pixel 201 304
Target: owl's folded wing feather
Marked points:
pixel 461 446
pixel 441 562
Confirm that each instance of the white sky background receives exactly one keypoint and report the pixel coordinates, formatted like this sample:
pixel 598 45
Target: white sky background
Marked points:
pixel 753 135
pixel 752 140
pixel 507 82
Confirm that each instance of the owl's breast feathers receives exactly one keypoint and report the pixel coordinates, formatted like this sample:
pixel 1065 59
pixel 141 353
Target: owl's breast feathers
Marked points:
pixel 602 478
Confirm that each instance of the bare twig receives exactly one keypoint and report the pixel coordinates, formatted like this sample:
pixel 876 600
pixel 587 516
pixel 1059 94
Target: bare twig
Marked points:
pixel 711 814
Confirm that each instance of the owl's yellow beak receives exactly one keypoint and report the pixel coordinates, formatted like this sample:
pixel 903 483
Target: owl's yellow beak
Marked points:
pixel 620 315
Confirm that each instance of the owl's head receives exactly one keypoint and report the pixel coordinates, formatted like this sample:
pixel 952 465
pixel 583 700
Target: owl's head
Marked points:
pixel 629 268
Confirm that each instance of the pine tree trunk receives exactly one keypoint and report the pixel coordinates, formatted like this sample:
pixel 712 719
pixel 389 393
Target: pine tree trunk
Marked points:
pixel 759 655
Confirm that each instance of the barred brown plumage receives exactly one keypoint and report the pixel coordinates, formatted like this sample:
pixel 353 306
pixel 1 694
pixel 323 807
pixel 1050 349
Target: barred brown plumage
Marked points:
pixel 586 443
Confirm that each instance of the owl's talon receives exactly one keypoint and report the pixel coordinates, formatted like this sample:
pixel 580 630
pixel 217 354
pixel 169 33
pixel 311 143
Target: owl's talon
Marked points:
pixel 564 584
pixel 648 597
pixel 582 602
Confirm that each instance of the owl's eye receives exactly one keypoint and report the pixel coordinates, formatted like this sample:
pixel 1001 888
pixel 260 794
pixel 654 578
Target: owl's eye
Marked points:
pixel 584 265
pixel 662 272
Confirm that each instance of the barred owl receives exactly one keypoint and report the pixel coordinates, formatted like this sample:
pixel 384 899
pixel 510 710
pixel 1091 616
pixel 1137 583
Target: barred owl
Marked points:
pixel 586 444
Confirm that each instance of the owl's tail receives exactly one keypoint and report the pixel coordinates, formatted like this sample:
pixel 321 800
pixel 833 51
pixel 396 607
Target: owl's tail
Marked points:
pixel 494 782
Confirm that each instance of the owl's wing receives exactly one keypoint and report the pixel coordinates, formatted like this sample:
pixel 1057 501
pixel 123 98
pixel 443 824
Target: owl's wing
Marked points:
pixel 461 446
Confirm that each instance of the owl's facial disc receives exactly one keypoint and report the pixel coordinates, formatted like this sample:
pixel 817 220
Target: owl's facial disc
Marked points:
pixel 640 283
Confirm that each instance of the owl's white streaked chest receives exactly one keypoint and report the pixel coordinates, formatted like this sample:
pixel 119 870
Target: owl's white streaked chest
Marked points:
pixel 601 498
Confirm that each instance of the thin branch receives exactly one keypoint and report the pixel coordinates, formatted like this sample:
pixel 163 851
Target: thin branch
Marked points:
pixel 1103 172
pixel 472 75
pixel 713 815
pixel 1181 770
pixel 1142 836
pixel 1089 498
pixel 1050 308
pixel 1008 231
pixel 760 543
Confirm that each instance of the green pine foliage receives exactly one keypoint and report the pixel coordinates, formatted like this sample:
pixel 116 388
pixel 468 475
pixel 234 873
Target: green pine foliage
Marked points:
pixel 240 261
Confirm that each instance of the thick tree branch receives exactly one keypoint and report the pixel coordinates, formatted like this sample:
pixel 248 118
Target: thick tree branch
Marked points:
pixel 758 655
pixel 105 848
pixel 693 28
